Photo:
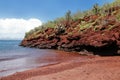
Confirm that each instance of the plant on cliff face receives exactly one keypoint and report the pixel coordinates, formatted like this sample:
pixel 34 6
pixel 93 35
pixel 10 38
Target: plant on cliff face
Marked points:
pixel 67 19
pixel 96 9
pixel 109 7
pixel 68 16
pixel 26 34
pixel 116 3
pixel 29 33
pixel 118 17
pixel 49 24
pixel 77 15
pixel 85 26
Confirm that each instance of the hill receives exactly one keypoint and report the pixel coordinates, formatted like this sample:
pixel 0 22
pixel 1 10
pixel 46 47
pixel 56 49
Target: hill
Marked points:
pixel 96 31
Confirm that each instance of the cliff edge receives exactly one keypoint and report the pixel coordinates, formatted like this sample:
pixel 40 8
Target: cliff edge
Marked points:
pixel 98 33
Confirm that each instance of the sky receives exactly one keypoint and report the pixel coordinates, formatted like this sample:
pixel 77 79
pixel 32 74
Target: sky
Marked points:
pixel 20 16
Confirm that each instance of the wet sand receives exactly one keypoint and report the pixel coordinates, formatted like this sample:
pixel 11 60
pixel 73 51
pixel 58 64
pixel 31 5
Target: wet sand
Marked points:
pixel 18 63
pixel 74 68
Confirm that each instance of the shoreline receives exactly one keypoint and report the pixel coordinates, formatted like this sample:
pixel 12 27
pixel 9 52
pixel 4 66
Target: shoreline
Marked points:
pixel 93 68
pixel 28 63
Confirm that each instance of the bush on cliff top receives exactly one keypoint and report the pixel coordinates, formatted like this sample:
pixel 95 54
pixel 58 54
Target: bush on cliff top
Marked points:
pixel 78 15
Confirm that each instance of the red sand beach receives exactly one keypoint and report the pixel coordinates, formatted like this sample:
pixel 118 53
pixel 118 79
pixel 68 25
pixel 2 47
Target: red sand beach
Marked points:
pixel 74 68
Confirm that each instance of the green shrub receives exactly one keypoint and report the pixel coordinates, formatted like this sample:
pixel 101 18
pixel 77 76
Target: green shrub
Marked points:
pixel 79 14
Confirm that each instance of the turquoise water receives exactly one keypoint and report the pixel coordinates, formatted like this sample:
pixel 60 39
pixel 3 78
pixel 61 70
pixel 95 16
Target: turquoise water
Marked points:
pixel 14 58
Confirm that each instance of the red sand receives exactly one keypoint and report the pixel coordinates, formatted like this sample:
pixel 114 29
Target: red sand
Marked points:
pixel 86 68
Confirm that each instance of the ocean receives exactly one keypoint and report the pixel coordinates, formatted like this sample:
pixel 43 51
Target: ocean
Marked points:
pixel 14 58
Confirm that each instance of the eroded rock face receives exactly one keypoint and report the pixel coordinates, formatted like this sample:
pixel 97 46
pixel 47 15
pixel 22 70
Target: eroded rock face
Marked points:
pixel 105 37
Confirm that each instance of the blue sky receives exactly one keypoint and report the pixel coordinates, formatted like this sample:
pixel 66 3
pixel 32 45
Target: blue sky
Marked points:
pixel 20 16
pixel 43 9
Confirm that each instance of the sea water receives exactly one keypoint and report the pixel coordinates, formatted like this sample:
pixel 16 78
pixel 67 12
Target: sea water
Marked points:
pixel 14 58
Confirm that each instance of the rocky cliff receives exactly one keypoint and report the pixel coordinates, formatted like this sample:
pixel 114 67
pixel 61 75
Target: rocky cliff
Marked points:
pixel 96 33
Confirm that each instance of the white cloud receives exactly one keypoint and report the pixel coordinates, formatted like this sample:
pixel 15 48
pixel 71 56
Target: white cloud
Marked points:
pixel 12 28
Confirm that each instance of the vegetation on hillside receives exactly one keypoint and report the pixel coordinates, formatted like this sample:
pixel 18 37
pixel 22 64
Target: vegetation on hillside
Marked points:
pixel 97 29
pixel 65 20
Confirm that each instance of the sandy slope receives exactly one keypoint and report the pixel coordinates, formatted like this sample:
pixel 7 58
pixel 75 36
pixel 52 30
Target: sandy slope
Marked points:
pixel 93 68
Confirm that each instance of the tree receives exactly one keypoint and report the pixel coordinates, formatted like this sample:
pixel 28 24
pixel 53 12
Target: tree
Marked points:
pixel 96 9
pixel 68 19
pixel 68 16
